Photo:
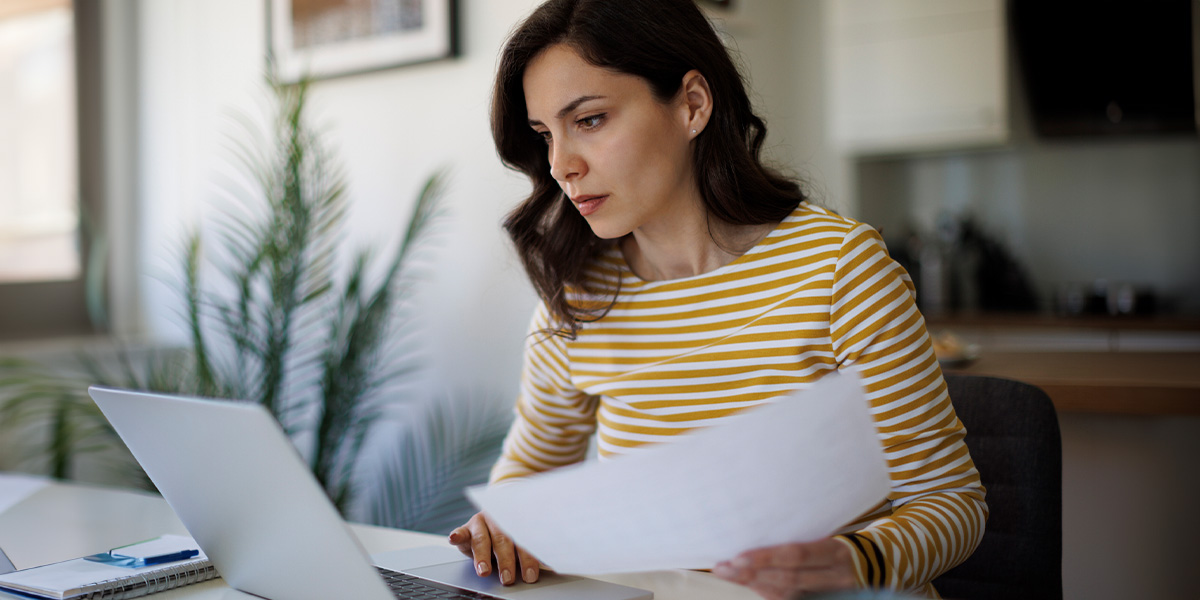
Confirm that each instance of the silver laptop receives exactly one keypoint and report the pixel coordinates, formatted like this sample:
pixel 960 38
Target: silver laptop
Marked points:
pixel 246 496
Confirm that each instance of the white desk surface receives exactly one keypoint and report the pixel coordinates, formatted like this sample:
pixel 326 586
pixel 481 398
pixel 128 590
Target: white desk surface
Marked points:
pixel 62 521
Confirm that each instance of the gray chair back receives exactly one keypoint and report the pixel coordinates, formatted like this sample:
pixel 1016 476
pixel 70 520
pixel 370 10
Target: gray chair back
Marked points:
pixel 1013 436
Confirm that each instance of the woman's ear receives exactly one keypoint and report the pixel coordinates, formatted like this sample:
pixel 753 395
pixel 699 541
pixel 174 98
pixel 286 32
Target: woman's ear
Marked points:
pixel 697 102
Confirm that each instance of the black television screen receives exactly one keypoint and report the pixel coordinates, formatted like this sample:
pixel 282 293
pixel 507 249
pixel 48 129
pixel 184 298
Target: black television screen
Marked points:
pixel 1103 67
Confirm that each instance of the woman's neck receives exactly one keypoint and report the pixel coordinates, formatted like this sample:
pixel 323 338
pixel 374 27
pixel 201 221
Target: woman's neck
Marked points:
pixel 686 246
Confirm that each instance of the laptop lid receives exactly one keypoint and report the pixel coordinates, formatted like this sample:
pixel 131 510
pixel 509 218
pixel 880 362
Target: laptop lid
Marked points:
pixel 244 493
pixel 236 482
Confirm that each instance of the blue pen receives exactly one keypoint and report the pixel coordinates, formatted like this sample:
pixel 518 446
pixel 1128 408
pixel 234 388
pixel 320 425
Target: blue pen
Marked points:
pixel 134 562
pixel 166 558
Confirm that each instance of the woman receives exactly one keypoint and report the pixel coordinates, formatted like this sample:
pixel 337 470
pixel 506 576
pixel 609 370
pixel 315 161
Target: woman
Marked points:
pixel 681 282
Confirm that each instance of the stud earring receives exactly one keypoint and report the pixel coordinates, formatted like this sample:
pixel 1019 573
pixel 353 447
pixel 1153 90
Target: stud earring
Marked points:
pixel 693 132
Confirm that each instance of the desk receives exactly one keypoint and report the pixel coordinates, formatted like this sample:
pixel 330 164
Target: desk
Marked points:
pixel 63 521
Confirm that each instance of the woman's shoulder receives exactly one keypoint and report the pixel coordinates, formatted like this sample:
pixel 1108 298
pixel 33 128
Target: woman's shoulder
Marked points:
pixel 808 215
pixel 812 226
pixel 813 240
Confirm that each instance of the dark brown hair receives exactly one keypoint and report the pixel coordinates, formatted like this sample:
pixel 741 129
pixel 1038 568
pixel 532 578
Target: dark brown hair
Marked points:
pixel 659 41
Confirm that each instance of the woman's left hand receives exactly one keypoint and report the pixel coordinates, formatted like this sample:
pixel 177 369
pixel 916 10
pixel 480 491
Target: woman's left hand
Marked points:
pixel 792 570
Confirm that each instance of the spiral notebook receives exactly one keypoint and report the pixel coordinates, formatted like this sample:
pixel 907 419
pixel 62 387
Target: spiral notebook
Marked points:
pixel 126 572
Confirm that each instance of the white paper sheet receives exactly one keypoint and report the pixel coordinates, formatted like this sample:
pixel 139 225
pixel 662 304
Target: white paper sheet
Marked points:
pixel 794 470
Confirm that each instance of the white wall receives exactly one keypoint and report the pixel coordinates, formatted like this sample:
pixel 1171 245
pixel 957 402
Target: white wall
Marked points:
pixel 202 60
pixel 781 44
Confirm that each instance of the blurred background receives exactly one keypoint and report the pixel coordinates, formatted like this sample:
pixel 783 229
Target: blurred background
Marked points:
pixel 1037 170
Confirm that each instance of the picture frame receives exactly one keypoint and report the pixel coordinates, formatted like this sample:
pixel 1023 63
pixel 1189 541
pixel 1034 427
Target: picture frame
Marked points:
pixel 321 39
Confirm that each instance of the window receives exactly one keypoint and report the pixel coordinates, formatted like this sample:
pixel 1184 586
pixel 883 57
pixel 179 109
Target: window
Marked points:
pixel 41 246
pixel 39 231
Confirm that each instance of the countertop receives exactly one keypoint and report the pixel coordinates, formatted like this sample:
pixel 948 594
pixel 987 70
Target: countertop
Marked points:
pixel 1129 383
pixel 1088 364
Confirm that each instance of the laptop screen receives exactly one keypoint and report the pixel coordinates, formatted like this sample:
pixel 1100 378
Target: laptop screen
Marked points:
pixel 6 565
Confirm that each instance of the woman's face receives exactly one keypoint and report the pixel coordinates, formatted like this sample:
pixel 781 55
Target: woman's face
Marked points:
pixel 620 155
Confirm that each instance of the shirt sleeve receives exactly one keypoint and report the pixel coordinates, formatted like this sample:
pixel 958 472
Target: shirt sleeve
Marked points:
pixel 553 420
pixel 937 501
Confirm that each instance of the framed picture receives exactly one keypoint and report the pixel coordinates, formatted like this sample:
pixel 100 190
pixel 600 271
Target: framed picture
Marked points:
pixel 319 39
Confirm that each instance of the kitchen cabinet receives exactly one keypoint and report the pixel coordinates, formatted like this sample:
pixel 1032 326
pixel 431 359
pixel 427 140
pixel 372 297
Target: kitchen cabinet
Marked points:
pixel 916 75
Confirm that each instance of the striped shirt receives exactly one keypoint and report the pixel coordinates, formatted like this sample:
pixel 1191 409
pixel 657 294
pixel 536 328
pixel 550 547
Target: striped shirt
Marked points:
pixel 818 294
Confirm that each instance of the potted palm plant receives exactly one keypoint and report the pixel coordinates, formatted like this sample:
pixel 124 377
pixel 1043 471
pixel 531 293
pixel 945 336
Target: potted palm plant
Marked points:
pixel 280 328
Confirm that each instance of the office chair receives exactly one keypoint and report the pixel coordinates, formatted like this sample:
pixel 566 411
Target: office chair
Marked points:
pixel 1013 436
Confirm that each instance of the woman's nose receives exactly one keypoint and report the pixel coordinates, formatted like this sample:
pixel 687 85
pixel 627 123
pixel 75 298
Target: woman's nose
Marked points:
pixel 565 163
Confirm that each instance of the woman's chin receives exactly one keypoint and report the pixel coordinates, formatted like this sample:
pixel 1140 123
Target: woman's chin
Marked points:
pixel 606 231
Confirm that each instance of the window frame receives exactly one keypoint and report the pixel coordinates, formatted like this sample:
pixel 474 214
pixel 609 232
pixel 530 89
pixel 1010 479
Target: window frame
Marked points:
pixel 75 307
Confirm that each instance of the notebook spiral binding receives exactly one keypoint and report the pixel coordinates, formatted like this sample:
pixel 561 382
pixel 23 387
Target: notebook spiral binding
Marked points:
pixel 150 582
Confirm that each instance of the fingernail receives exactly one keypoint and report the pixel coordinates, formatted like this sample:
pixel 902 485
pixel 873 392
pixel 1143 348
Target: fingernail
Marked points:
pixel 506 576
pixel 722 570
pixel 741 562
pixel 481 568
pixel 530 575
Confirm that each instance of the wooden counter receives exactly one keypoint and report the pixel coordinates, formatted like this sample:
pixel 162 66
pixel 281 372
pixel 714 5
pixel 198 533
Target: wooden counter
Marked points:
pixel 1129 383
pixel 992 320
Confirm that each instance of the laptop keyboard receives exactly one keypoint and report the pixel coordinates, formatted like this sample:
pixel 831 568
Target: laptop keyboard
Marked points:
pixel 411 587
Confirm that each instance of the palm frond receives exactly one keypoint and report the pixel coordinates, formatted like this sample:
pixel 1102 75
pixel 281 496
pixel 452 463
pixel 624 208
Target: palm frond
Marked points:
pixel 449 445
pixel 50 407
pixel 206 377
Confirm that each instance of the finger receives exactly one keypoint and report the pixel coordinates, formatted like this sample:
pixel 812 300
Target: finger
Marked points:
pixel 787 555
pixel 725 570
pixel 481 545
pixel 461 539
pixel 765 578
pixel 530 566
pixel 505 552
pixel 822 553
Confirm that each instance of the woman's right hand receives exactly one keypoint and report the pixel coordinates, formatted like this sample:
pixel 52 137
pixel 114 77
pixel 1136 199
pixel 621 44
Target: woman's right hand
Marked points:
pixel 481 539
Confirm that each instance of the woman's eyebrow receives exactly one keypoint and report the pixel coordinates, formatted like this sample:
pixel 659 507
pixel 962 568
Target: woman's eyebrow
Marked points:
pixel 572 105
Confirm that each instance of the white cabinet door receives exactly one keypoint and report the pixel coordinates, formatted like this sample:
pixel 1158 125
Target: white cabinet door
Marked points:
pixel 916 74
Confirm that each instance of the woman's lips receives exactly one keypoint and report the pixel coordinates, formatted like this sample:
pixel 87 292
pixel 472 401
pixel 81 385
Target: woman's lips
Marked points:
pixel 588 204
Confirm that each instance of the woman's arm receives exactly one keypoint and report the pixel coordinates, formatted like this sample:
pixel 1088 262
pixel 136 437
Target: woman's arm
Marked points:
pixel 553 419
pixel 551 429
pixel 937 500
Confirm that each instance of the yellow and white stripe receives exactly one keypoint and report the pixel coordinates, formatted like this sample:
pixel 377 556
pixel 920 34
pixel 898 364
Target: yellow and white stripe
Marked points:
pixel 819 293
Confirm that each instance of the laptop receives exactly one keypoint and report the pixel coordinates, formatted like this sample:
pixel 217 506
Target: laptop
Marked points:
pixel 247 497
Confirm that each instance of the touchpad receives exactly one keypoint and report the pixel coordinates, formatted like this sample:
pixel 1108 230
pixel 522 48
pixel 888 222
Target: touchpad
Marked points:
pixel 461 574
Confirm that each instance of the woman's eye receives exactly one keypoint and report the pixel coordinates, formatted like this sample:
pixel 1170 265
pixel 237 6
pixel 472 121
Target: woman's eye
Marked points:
pixel 545 135
pixel 591 122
